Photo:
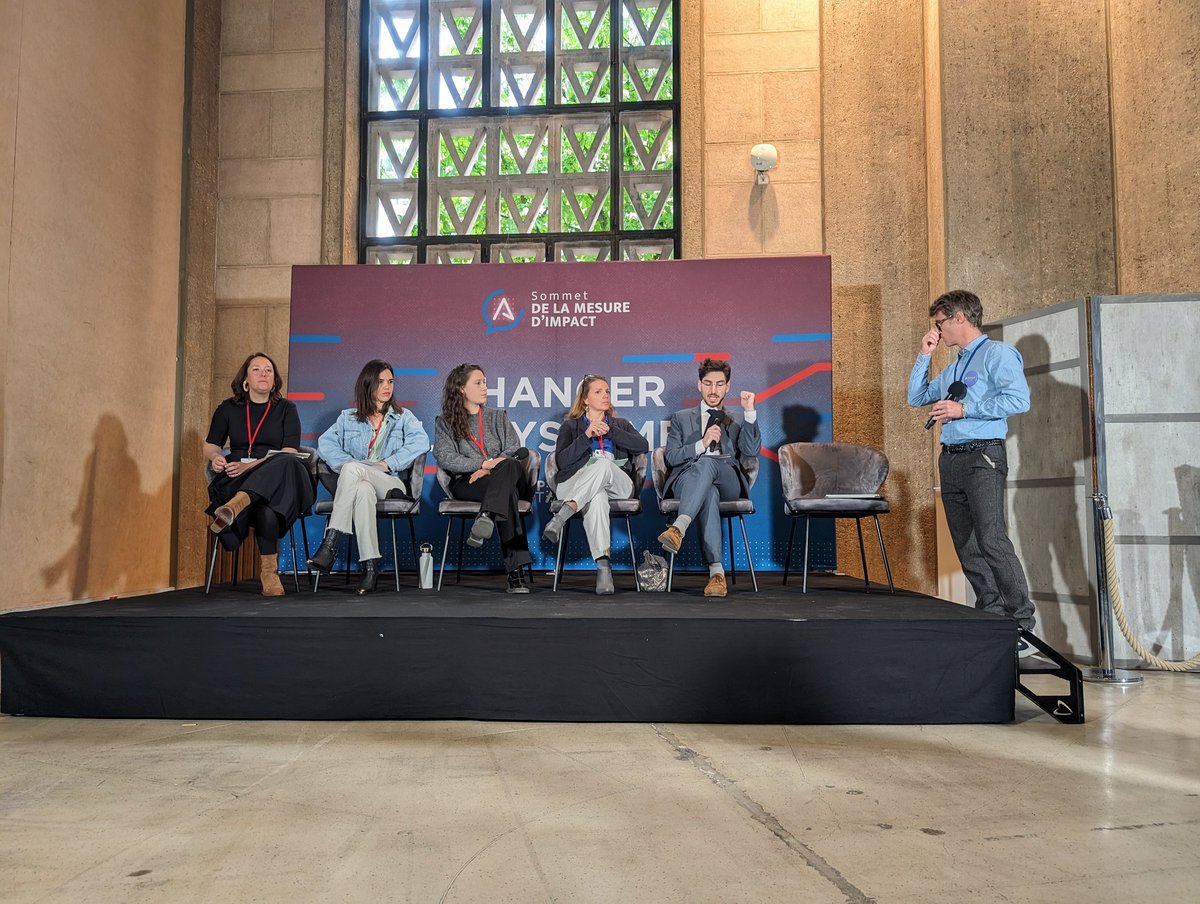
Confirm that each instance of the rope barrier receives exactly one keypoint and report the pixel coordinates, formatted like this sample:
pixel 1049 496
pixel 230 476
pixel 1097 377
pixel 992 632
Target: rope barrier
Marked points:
pixel 1114 593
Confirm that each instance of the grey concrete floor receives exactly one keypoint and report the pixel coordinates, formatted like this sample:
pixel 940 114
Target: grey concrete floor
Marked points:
pixel 154 811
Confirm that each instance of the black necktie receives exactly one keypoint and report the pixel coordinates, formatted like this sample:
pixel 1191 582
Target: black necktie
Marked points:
pixel 715 416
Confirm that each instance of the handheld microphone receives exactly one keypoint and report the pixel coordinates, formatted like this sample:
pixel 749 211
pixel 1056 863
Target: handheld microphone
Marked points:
pixel 722 419
pixel 956 393
pixel 520 454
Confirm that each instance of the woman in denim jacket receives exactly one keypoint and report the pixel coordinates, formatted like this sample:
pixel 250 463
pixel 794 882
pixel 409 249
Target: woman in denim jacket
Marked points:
pixel 369 447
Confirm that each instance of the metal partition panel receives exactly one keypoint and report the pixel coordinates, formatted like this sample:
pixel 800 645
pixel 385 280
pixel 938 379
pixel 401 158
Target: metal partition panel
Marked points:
pixel 1050 475
pixel 1148 438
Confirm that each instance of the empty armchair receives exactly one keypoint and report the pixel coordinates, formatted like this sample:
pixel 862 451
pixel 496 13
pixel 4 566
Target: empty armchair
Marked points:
pixel 833 480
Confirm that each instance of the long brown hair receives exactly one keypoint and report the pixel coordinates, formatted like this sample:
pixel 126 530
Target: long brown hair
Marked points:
pixel 240 393
pixel 579 409
pixel 365 386
pixel 454 406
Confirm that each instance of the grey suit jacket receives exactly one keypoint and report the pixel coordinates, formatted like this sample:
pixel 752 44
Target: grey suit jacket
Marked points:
pixel 738 440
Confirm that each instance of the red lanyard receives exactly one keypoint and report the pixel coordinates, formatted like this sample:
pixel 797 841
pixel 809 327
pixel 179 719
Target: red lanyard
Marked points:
pixel 371 444
pixel 479 441
pixel 252 436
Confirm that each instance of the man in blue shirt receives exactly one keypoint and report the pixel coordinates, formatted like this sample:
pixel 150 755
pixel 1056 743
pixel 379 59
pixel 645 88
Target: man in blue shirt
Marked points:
pixel 973 466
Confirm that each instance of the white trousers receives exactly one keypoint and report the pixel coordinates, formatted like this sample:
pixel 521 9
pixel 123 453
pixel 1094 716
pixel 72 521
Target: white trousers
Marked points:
pixel 590 488
pixel 359 487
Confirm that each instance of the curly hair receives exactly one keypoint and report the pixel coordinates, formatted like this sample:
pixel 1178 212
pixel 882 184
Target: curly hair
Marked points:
pixel 714 365
pixel 579 409
pixel 365 386
pixel 956 300
pixel 454 409
pixel 237 384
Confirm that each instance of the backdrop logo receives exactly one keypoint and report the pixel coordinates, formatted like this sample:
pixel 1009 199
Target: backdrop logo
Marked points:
pixel 498 313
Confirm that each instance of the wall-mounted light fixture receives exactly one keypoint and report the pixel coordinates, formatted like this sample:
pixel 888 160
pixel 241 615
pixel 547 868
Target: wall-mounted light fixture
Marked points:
pixel 764 157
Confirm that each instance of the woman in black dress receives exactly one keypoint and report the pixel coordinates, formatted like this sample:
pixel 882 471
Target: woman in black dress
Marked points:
pixel 250 489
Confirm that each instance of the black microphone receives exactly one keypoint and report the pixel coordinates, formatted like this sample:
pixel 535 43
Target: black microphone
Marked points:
pixel 956 393
pixel 520 454
pixel 717 416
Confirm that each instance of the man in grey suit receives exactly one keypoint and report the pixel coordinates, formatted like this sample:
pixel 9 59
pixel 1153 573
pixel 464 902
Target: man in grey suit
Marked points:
pixel 703 448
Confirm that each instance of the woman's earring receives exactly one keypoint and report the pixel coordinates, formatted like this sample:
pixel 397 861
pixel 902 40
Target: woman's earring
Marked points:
pixel 245 385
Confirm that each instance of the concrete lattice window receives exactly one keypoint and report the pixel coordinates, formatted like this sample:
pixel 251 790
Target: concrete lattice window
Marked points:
pixel 519 130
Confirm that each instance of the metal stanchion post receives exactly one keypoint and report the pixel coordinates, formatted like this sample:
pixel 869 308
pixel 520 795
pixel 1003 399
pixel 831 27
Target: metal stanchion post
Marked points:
pixel 1103 672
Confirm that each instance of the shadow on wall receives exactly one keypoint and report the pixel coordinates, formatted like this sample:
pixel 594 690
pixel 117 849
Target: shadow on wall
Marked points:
pixel 116 547
pixel 1054 554
pixel 1183 525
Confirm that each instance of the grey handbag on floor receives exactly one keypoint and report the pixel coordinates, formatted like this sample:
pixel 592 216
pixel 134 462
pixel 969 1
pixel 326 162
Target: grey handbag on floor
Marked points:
pixel 652 572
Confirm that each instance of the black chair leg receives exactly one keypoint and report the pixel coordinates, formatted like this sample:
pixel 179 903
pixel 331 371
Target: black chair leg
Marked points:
pixel 637 582
pixel 462 539
pixel 807 525
pixel 237 562
pixel 749 558
pixel 396 555
pixel 412 537
pixel 445 549
pixel 787 559
pixel 862 552
pixel 212 563
pixel 307 554
pixel 558 555
pixel 349 556
pixel 732 554
pixel 529 567
pixel 295 564
pixel 883 551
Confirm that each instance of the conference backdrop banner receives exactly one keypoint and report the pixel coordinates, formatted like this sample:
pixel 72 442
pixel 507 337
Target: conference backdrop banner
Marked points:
pixel 537 329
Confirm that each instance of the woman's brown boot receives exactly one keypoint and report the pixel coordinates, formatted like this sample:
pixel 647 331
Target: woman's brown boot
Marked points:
pixel 226 514
pixel 269 575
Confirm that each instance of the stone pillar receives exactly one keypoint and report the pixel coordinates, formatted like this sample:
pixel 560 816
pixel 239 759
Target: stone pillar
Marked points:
pixel 873 101
pixel 1028 168
pixel 1156 109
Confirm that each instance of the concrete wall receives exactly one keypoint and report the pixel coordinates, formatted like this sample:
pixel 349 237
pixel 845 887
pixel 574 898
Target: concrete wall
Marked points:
pixel 269 175
pixel 760 82
pixel 1156 109
pixel 876 232
pixel 91 116
pixel 1028 167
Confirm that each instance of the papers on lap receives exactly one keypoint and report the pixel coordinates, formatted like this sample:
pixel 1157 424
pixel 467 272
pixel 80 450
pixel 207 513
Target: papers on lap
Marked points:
pixel 303 456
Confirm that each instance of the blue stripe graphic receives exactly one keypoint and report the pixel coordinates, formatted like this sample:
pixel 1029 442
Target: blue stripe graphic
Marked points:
pixel 656 359
pixel 415 371
pixel 324 340
pixel 802 337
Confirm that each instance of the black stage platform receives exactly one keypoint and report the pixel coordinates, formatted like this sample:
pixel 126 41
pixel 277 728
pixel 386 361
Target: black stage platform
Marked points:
pixel 835 655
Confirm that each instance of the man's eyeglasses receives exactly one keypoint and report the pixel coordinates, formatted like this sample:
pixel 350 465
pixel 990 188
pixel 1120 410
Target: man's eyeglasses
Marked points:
pixel 708 384
pixel 937 324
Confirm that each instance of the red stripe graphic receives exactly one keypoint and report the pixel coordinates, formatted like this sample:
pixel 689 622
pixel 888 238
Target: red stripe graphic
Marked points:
pixel 306 396
pixel 795 378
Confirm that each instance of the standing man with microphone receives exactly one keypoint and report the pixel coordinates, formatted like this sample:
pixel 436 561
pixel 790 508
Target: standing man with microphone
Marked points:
pixel 703 448
pixel 972 399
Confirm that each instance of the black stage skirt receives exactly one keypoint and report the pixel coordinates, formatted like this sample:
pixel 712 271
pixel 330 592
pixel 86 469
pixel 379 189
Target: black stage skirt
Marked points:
pixel 281 483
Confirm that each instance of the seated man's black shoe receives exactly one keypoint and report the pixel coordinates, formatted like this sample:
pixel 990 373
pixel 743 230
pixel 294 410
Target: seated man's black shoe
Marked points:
pixel 326 553
pixel 515 584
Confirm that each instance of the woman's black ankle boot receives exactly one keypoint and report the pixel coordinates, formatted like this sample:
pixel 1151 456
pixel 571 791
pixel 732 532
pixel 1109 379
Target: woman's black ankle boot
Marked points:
pixel 326 553
pixel 370 576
